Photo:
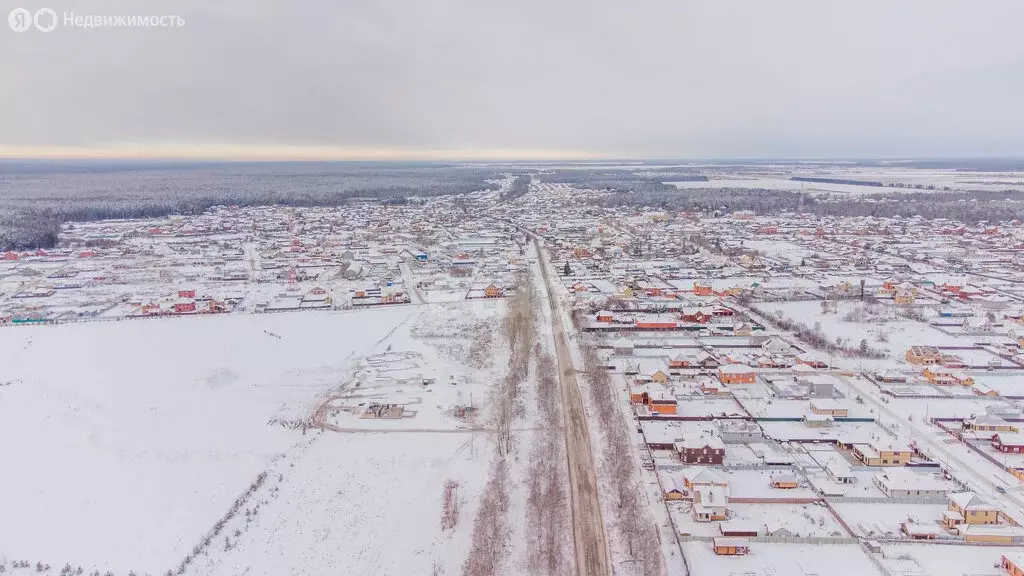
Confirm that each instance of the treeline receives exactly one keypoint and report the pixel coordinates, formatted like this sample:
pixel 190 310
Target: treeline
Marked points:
pixel 966 207
pixel 618 179
pixel 35 204
pixel 835 181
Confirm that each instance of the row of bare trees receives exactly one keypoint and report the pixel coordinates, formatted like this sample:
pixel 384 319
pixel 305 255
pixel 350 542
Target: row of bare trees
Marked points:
pixel 547 502
pixel 520 330
pixel 633 520
pixel 490 528
pixel 491 532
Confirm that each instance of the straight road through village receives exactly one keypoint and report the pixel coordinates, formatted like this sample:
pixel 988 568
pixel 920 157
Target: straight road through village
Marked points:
pixel 587 521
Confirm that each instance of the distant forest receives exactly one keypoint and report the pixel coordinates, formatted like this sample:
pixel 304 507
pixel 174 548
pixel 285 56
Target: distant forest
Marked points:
pixel 36 198
pixel 835 181
pixel 627 188
pixel 966 207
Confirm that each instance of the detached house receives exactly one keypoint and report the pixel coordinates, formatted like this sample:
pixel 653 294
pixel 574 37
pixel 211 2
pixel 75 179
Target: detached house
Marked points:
pixel 988 423
pixel 880 453
pixel 969 508
pixel 903 482
pixel 736 374
pixel 775 345
pixel 943 376
pixel 701 450
pixel 184 306
pixel 812 360
pixel 660 402
pixel 924 355
pixel 1008 442
pixel 710 504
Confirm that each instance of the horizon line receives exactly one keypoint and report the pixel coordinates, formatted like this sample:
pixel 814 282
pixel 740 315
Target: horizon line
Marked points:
pixel 228 153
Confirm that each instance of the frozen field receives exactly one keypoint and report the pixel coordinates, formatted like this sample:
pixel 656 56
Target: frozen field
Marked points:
pixel 142 433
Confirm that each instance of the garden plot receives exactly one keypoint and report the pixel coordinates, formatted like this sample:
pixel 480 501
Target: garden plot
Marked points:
pixel 756 484
pixel 801 520
pixel 884 331
pixel 779 559
pixel 871 520
pixel 939 560
pixel 703 407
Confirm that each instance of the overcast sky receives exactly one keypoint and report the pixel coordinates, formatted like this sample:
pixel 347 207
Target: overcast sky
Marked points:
pixel 644 78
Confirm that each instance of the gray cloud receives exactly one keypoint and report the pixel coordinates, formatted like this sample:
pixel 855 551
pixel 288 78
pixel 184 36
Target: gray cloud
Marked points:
pixel 647 78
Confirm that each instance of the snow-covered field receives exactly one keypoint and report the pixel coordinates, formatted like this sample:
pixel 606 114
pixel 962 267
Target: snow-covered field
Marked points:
pixel 938 560
pixel 779 559
pixel 359 504
pixel 125 442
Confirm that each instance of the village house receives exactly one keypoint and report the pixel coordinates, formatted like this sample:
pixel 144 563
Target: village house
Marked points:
pixel 923 355
pixel 622 347
pixel 702 476
pixel 991 533
pixel 903 482
pixel 661 402
pixel 775 345
pixel 944 376
pixel 882 453
pixel 659 375
pixel 904 293
pixel 736 374
pixel 674 489
pixel 711 386
pixel 638 392
pixel 811 359
pixel 1008 442
pixel 969 508
pixel 988 423
pixel 701 450
pixel 817 385
pixel 696 315
pixel 184 306
pixel 710 503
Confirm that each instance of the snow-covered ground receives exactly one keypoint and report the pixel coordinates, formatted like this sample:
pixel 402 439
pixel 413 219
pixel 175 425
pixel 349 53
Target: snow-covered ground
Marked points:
pixel 938 560
pixel 873 520
pixel 125 442
pixel 779 559
pixel 359 504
